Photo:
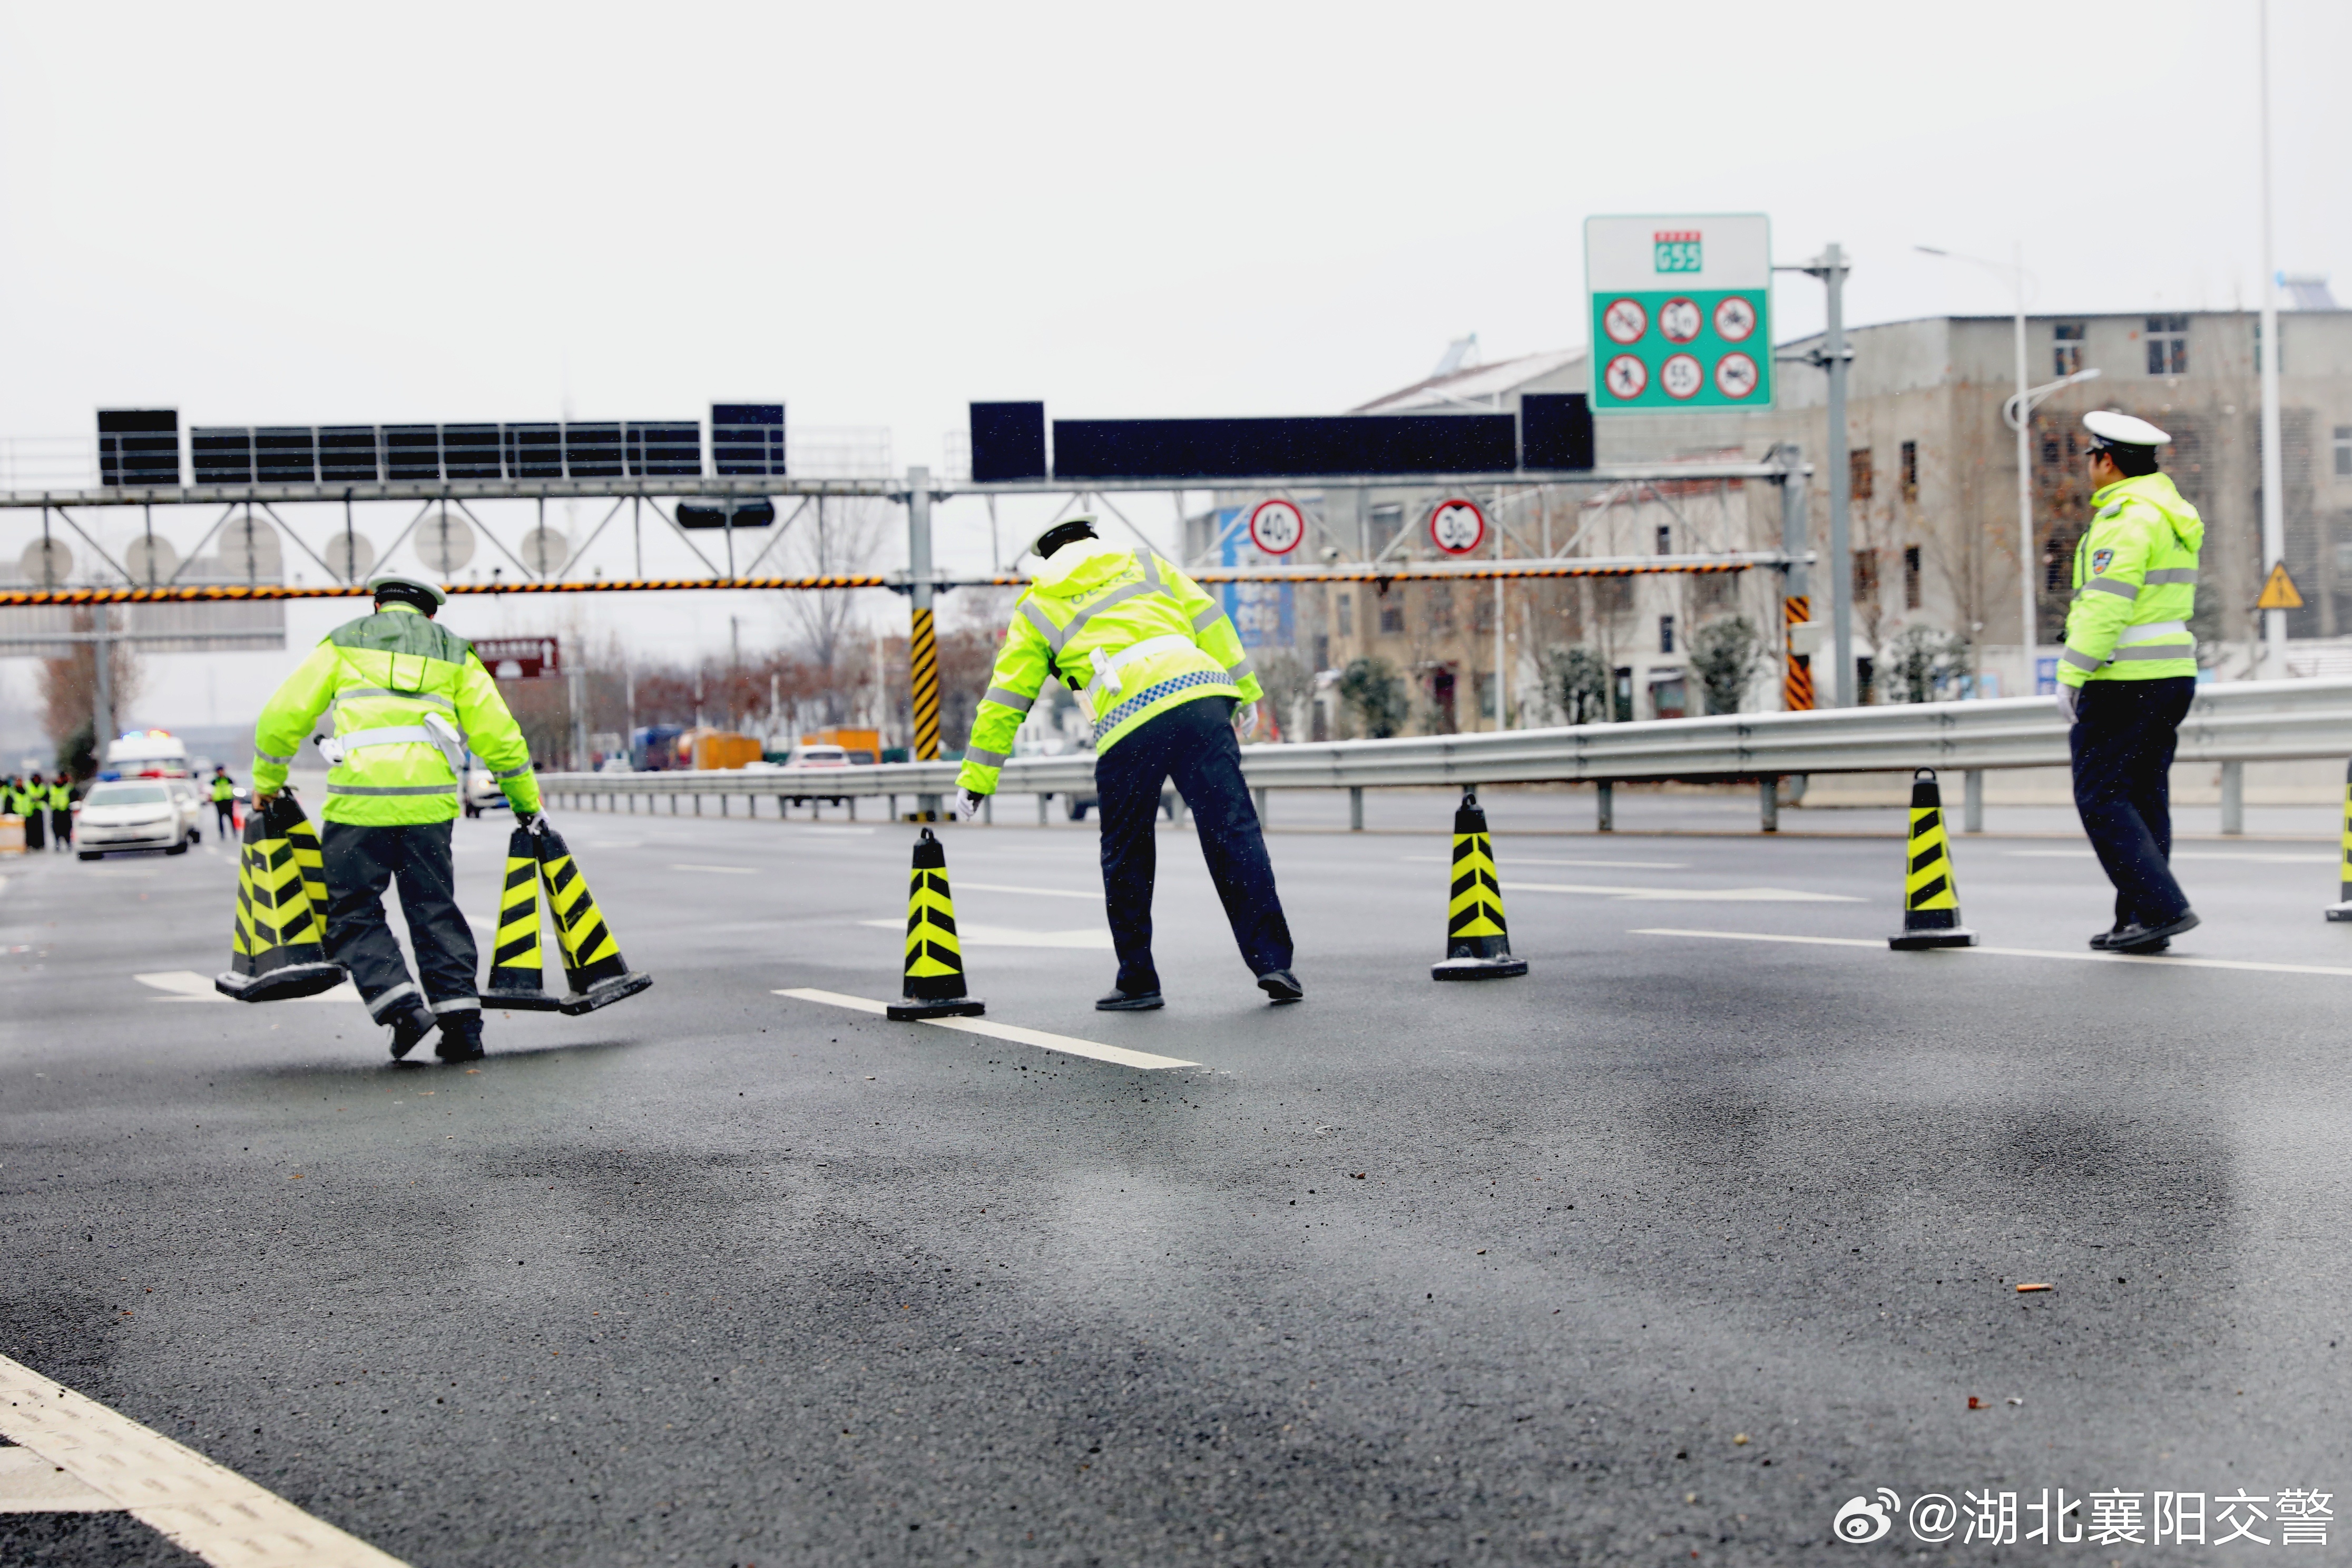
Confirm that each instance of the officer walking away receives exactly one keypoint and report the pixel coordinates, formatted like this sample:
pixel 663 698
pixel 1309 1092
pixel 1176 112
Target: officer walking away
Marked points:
pixel 407 696
pixel 30 799
pixel 224 801
pixel 1159 670
pixel 61 811
pixel 2127 675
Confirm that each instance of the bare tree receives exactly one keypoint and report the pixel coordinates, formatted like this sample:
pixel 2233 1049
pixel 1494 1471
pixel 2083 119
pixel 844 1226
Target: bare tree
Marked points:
pixel 69 688
pixel 842 537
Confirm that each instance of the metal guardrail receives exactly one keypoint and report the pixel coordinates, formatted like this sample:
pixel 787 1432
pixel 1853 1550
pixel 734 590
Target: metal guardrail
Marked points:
pixel 2237 722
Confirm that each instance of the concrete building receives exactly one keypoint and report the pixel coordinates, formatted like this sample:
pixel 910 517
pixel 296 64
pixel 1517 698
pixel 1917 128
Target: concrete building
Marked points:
pixel 1935 515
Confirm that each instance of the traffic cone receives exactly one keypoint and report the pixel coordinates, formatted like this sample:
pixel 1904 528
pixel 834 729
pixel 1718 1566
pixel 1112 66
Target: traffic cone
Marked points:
pixel 592 958
pixel 934 984
pixel 279 950
pixel 1478 941
pixel 2342 909
pixel 518 962
pixel 1931 902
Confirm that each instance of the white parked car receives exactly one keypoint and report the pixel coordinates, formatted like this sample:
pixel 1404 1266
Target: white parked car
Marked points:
pixel 482 792
pixel 135 814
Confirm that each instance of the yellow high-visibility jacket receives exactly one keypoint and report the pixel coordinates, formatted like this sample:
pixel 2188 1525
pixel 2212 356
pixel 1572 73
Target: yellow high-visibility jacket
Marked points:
pixel 60 797
pixel 1126 631
pixel 384 675
pixel 2134 586
pixel 223 789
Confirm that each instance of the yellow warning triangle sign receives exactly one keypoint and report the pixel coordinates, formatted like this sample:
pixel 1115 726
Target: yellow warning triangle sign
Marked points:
pixel 2279 594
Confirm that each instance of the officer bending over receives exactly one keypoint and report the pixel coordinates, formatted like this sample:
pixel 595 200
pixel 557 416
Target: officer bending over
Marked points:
pixel 1160 669
pixel 406 695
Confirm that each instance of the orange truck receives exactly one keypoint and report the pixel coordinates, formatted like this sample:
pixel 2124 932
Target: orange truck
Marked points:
pixel 863 745
pixel 706 749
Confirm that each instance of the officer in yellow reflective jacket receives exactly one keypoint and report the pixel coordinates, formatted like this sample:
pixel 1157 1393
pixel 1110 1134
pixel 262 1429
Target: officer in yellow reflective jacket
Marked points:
pixel 408 698
pixel 223 802
pixel 61 811
pixel 1159 670
pixel 2128 672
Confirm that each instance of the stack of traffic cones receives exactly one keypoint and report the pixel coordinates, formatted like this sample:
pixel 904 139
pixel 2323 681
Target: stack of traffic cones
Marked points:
pixel 934 985
pixel 1477 939
pixel 2342 909
pixel 1931 900
pixel 517 960
pixel 279 950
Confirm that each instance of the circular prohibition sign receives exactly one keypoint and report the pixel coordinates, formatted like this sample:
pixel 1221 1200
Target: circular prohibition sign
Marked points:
pixel 1275 527
pixel 1680 320
pixel 1625 320
pixel 1457 526
pixel 1735 376
pixel 1735 318
pixel 1682 376
pixel 1626 377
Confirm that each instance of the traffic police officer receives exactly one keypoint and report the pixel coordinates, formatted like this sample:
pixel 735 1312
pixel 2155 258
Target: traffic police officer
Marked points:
pixel 408 698
pixel 2127 674
pixel 60 811
pixel 26 797
pixel 224 801
pixel 1159 670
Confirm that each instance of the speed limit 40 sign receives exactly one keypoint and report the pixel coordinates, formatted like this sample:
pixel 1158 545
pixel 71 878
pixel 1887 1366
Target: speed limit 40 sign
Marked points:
pixel 1681 310
pixel 1277 527
pixel 1457 526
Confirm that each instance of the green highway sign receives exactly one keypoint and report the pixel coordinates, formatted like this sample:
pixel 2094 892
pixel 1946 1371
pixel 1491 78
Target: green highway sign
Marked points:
pixel 1681 312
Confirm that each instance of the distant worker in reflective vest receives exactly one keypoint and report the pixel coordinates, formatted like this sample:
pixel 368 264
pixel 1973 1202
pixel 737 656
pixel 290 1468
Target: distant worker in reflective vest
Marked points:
pixel 29 798
pixel 1160 669
pixel 61 811
pixel 2127 675
pixel 407 698
pixel 223 802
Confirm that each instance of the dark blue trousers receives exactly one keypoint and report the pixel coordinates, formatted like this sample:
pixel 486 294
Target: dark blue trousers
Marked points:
pixel 2122 758
pixel 1193 744
pixel 360 862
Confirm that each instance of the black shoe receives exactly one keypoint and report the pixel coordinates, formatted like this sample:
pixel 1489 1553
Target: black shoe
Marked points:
pixel 461 1036
pixel 410 1025
pixel 1129 1002
pixel 2105 941
pixel 2137 938
pixel 1281 985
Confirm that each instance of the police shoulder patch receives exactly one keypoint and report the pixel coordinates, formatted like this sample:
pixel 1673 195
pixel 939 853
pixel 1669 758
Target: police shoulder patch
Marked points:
pixel 2101 560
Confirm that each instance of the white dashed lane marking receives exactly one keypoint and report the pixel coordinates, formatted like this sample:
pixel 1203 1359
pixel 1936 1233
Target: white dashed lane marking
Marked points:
pixel 205 1508
pixel 2165 961
pixel 1067 1043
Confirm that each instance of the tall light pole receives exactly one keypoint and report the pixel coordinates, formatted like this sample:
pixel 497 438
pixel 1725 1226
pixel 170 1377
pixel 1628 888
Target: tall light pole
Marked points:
pixel 2274 662
pixel 2029 622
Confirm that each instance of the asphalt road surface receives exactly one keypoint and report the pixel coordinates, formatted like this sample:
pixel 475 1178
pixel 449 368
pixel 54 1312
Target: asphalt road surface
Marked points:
pixel 1714 1222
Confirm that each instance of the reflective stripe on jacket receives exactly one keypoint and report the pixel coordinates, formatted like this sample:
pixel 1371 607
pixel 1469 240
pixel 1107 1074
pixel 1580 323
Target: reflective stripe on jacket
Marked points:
pixel 2134 586
pixel 392 671
pixel 1087 618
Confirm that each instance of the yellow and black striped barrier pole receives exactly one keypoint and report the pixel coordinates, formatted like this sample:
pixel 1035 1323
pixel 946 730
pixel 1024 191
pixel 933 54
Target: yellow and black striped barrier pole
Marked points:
pixel 923 665
pixel 934 984
pixel 279 947
pixel 2342 909
pixel 1931 899
pixel 1797 669
pixel 1477 938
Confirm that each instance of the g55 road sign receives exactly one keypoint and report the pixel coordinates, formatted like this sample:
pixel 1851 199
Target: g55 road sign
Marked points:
pixel 1681 311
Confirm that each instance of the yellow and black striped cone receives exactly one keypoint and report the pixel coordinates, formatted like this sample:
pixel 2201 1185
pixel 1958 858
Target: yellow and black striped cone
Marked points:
pixel 2342 909
pixel 1477 939
pixel 279 950
pixel 1931 899
pixel 934 984
pixel 592 958
pixel 518 958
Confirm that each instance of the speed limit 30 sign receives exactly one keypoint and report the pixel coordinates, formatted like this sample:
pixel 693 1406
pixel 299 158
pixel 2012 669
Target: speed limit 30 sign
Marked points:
pixel 1457 526
pixel 1277 527
pixel 1681 311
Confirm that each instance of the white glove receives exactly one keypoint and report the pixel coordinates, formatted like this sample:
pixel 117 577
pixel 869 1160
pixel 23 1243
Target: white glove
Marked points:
pixel 968 805
pixel 1246 721
pixel 2068 696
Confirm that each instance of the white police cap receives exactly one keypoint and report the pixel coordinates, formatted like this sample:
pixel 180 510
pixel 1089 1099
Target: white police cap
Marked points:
pixel 2114 430
pixel 1089 518
pixel 376 585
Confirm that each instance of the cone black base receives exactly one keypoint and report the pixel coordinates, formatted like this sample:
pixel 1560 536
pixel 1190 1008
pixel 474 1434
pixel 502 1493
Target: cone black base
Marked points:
pixel 1478 969
pixel 1918 940
pixel 522 1001
pixel 914 1009
pixel 604 993
pixel 283 983
pixel 2342 912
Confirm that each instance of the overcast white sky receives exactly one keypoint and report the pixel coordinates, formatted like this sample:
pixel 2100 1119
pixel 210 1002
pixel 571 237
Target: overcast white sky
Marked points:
pixel 431 212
